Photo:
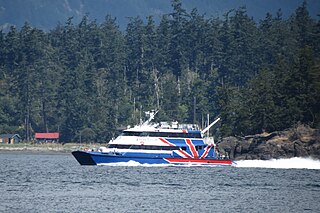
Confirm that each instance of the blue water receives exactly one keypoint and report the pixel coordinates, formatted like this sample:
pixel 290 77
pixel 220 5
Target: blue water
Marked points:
pixel 55 182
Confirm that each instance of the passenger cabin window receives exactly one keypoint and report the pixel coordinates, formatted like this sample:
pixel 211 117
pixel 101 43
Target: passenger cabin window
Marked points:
pixel 163 134
pixel 200 147
pixel 145 147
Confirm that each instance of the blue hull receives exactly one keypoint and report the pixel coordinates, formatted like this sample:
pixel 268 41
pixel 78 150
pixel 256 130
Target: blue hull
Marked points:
pixel 98 158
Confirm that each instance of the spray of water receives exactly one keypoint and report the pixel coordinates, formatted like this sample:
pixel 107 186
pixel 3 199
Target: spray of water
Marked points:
pixel 291 163
pixel 134 164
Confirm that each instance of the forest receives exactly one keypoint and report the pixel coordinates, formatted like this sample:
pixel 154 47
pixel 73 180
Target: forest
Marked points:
pixel 90 79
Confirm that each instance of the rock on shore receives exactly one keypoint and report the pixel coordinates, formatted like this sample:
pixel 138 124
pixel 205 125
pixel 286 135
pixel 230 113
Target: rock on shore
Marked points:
pixel 301 141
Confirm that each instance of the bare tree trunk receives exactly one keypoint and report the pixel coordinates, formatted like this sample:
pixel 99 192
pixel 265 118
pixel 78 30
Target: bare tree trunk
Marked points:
pixel 156 86
pixel 44 116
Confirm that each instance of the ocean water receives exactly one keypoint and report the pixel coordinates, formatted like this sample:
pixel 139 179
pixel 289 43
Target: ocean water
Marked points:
pixel 55 182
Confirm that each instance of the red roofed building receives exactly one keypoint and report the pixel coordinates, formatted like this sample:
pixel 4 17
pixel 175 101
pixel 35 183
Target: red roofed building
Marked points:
pixel 47 137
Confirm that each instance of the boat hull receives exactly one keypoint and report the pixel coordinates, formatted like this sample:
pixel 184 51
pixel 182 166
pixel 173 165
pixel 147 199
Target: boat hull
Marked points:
pixel 84 158
pixel 98 158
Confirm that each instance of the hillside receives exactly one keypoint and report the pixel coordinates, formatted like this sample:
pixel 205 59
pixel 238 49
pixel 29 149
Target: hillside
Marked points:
pixel 46 14
pixel 87 79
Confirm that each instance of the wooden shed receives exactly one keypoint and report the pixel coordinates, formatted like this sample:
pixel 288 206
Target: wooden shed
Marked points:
pixel 10 138
pixel 50 137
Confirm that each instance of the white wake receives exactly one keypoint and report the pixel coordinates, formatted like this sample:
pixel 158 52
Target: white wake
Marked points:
pixel 134 164
pixel 291 163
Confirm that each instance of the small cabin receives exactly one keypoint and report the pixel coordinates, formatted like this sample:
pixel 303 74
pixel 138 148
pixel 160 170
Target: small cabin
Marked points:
pixel 10 138
pixel 50 137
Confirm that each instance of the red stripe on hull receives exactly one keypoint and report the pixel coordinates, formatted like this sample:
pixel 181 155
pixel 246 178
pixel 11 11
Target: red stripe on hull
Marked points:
pixel 199 161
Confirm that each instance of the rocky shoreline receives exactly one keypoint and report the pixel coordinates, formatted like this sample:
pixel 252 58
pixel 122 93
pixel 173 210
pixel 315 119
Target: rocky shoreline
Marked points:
pixel 300 141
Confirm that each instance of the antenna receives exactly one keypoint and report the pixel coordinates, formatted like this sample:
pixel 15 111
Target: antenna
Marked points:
pixel 151 114
pixel 208 127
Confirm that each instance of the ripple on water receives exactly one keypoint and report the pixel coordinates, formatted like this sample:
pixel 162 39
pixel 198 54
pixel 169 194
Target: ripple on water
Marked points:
pixel 56 183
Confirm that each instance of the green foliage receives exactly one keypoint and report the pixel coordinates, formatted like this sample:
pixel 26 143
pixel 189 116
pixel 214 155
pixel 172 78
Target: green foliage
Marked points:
pixel 89 79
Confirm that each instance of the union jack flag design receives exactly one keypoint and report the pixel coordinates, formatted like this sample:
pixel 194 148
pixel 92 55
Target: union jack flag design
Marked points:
pixel 192 152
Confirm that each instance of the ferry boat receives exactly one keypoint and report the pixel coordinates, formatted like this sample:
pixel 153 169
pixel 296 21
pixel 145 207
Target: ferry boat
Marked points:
pixel 161 143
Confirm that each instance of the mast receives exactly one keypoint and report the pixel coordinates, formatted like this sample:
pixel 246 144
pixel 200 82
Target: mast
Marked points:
pixel 194 109
pixel 208 119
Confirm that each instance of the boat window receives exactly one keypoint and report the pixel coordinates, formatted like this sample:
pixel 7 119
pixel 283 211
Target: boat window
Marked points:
pixel 163 134
pixel 130 133
pixel 119 146
pixel 146 147
pixel 183 148
pixel 144 134
pixel 199 147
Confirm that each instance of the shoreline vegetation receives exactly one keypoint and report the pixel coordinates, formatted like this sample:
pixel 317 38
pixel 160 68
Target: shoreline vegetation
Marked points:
pixel 48 147
pixel 300 141
pixel 89 80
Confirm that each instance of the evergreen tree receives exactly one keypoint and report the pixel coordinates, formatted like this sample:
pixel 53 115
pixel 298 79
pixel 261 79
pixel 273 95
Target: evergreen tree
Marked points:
pixel 177 56
pixel 163 37
pixel 113 61
pixel 87 79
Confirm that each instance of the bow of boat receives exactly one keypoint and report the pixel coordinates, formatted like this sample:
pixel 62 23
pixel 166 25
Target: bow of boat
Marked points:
pixel 83 157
